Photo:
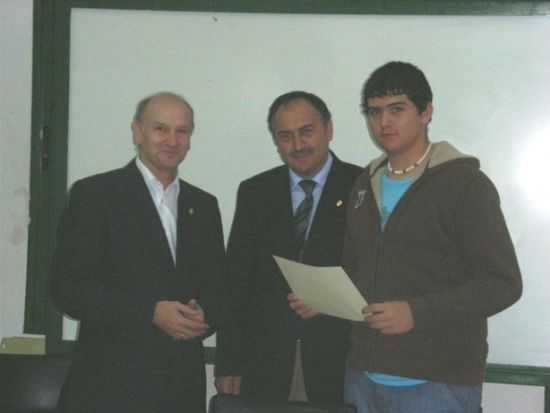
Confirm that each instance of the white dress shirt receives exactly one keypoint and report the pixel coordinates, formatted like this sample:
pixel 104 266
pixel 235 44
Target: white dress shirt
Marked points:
pixel 166 202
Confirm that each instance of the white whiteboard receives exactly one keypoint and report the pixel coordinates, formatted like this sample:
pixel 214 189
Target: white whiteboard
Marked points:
pixel 490 77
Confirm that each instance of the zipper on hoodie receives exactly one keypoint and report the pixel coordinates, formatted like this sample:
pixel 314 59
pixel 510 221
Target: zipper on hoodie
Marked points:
pixel 371 351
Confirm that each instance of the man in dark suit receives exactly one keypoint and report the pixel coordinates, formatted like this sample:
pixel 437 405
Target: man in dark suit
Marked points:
pixel 139 258
pixel 266 350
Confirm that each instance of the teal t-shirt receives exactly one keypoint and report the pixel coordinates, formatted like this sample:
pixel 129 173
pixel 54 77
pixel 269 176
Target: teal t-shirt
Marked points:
pixel 392 191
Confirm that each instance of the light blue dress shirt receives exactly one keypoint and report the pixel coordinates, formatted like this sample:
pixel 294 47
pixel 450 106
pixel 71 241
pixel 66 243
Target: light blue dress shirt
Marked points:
pixel 298 194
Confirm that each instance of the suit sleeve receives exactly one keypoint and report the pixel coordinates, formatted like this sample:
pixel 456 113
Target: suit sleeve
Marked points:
pixel 209 264
pixel 241 247
pixel 81 272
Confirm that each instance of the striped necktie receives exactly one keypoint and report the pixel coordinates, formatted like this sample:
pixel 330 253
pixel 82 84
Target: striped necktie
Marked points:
pixel 302 215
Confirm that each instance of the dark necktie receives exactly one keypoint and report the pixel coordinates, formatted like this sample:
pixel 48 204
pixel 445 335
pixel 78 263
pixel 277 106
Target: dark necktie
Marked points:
pixel 301 216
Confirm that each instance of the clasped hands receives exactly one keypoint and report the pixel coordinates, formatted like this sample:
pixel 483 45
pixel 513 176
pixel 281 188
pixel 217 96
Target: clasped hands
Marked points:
pixel 180 321
pixel 389 317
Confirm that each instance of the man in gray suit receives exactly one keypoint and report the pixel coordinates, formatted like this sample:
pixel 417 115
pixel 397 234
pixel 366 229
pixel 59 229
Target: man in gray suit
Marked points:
pixel 139 258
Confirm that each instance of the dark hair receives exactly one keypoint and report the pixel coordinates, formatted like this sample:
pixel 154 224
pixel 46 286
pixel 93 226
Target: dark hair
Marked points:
pixel 398 78
pixel 285 99
pixel 142 104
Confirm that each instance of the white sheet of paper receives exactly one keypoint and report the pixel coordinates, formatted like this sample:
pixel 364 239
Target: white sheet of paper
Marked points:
pixel 327 289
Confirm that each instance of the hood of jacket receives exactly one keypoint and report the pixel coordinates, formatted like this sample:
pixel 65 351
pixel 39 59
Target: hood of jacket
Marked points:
pixel 442 153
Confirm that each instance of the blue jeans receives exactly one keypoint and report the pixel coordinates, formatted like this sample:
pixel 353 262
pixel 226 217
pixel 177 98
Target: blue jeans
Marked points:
pixel 429 397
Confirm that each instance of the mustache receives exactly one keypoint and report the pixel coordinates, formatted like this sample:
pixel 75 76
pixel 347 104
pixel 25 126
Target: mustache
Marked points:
pixel 301 152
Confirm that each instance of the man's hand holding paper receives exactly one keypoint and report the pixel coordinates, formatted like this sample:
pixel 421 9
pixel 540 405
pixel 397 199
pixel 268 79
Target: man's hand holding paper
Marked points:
pixel 301 307
pixel 326 290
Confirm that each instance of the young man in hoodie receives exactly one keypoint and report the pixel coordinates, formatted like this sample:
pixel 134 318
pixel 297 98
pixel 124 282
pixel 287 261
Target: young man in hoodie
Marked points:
pixel 427 245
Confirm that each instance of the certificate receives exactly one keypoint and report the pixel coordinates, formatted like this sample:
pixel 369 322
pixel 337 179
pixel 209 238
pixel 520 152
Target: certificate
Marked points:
pixel 327 289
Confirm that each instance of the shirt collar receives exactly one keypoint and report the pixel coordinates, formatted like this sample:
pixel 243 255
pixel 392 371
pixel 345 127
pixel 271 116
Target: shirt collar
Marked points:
pixel 319 179
pixel 154 184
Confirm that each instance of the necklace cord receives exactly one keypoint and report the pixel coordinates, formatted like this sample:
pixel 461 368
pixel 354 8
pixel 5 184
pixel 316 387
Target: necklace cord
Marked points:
pixel 409 168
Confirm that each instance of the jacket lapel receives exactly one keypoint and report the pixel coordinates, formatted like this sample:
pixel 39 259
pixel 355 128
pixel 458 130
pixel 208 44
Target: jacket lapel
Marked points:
pixel 280 202
pixel 332 201
pixel 147 213
pixel 186 212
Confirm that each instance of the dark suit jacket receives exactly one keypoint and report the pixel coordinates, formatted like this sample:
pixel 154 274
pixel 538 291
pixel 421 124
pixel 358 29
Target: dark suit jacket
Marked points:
pixel 259 342
pixel 111 265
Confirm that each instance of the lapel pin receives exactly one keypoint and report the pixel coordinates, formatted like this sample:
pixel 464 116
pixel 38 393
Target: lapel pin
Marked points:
pixel 339 203
pixel 191 211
